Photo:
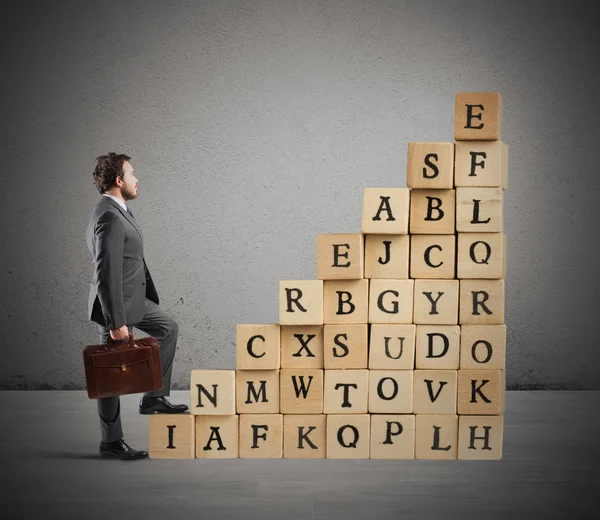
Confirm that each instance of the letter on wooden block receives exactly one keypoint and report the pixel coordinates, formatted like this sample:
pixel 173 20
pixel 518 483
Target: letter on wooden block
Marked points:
pixel 348 436
pixel 432 212
pixel 435 392
pixel 340 256
pixel 479 210
pixel 257 391
pixel 436 437
pixel 301 391
pixel 430 166
pixel 481 164
pixel 390 391
pixel 436 302
pixel 480 437
pixel 433 256
pixel 437 347
pixel 346 346
pixel 301 302
pixel 345 301
pixel 212 392
pixel 386 256
pixel 302 346
pixel 392 347
pixel 346 391
pixel 217 436
pixel 481 302
pixel 391 301
pixel 171 436
pixel 304 436
pixel 481 255
pixel 257 347
pixel 261 436
pixel 385 211
pixel 392 437
pixel 483 346
pixel 481 392
pixel 478 116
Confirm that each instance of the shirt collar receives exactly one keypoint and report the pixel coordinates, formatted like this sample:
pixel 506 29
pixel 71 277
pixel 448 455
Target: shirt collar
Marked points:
pixel 118 201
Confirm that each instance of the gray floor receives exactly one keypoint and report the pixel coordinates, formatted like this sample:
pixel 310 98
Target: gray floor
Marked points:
pixel 49 441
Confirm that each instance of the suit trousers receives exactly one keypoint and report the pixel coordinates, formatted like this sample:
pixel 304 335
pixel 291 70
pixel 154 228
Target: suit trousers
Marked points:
pixel 158 324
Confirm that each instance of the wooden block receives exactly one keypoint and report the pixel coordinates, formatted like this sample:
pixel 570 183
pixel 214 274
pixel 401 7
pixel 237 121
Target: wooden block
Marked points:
pixel 435 392
pixel 432 212
pixel 392 347
pixel 386 256
pixel 478 116
pixel 391 301
pixel 481 392
pixel 257 391
pixel 481 255
pixel 436 302
pixel 390 391
pixel 301 391
pixel 430 166
pixel 171 436
pixel 257 347
pixel 348 436
pixel 479 210
pixel 481 164
pixel 261 436
pixel 433 256
pixel 346 391
pixel 345 346
pixel 304 436
pixel 345 301
pixel 436 437
pixel 481 302
pixel 437 347
pixel 301 302
pixel 392 437
pixel 385 211
pixel 340 256
pixel 480 437
pixel 217 436
pixel 483 346
pixel 212 392
pixel 302 346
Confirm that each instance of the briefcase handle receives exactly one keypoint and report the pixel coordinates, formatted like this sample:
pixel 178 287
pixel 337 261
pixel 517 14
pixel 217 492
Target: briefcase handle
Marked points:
pixel 110 343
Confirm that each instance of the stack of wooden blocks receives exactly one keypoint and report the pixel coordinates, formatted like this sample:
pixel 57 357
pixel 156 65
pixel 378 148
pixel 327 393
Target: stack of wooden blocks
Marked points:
pixel 397 349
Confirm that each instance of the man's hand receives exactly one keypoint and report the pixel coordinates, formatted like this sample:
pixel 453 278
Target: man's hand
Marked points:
pixel 118 334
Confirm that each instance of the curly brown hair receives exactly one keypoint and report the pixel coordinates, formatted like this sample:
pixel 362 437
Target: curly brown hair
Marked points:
pixel 109 167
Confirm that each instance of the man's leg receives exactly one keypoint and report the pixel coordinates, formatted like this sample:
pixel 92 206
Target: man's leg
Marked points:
pixel 158 324
pixel 109 408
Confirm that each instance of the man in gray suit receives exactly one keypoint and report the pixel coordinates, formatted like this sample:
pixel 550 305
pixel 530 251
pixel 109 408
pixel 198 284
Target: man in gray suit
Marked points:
pixel 122 294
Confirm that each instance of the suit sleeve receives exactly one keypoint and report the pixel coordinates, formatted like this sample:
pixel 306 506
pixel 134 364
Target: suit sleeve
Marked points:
pixel 110 244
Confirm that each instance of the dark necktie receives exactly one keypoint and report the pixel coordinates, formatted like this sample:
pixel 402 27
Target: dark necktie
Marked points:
pixel 129 211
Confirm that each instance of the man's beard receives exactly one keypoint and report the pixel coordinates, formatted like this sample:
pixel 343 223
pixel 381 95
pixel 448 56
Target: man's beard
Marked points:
pixel 128 195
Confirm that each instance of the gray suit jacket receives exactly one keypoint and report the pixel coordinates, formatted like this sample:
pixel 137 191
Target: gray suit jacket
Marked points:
pixel 120 278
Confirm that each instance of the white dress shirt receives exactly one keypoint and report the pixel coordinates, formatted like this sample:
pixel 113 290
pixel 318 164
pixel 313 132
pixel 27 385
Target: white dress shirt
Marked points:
pixel 118 201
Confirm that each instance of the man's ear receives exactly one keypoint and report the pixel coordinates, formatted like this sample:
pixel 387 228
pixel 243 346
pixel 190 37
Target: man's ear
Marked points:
pixel 118 181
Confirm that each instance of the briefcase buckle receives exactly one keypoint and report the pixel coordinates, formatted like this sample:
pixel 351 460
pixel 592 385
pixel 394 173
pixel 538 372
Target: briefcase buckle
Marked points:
pixel 123 367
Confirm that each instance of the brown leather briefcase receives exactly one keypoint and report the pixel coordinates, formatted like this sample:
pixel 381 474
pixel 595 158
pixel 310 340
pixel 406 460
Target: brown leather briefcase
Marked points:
pixel 122 367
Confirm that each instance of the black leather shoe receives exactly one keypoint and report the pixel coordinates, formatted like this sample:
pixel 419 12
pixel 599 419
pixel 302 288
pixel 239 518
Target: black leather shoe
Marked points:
pixel 120 450
pixel 150 405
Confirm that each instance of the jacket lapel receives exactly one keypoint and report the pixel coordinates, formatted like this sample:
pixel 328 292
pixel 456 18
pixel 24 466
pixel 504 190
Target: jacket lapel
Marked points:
pixel 125 214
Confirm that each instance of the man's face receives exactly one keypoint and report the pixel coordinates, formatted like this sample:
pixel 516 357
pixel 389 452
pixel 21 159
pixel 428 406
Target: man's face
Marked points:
pixel 129 182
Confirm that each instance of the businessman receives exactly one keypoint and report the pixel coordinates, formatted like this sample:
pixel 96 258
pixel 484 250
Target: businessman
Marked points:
pixel 123 296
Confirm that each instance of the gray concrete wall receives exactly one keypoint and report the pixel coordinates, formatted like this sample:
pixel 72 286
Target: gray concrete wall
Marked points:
pixel 256 125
